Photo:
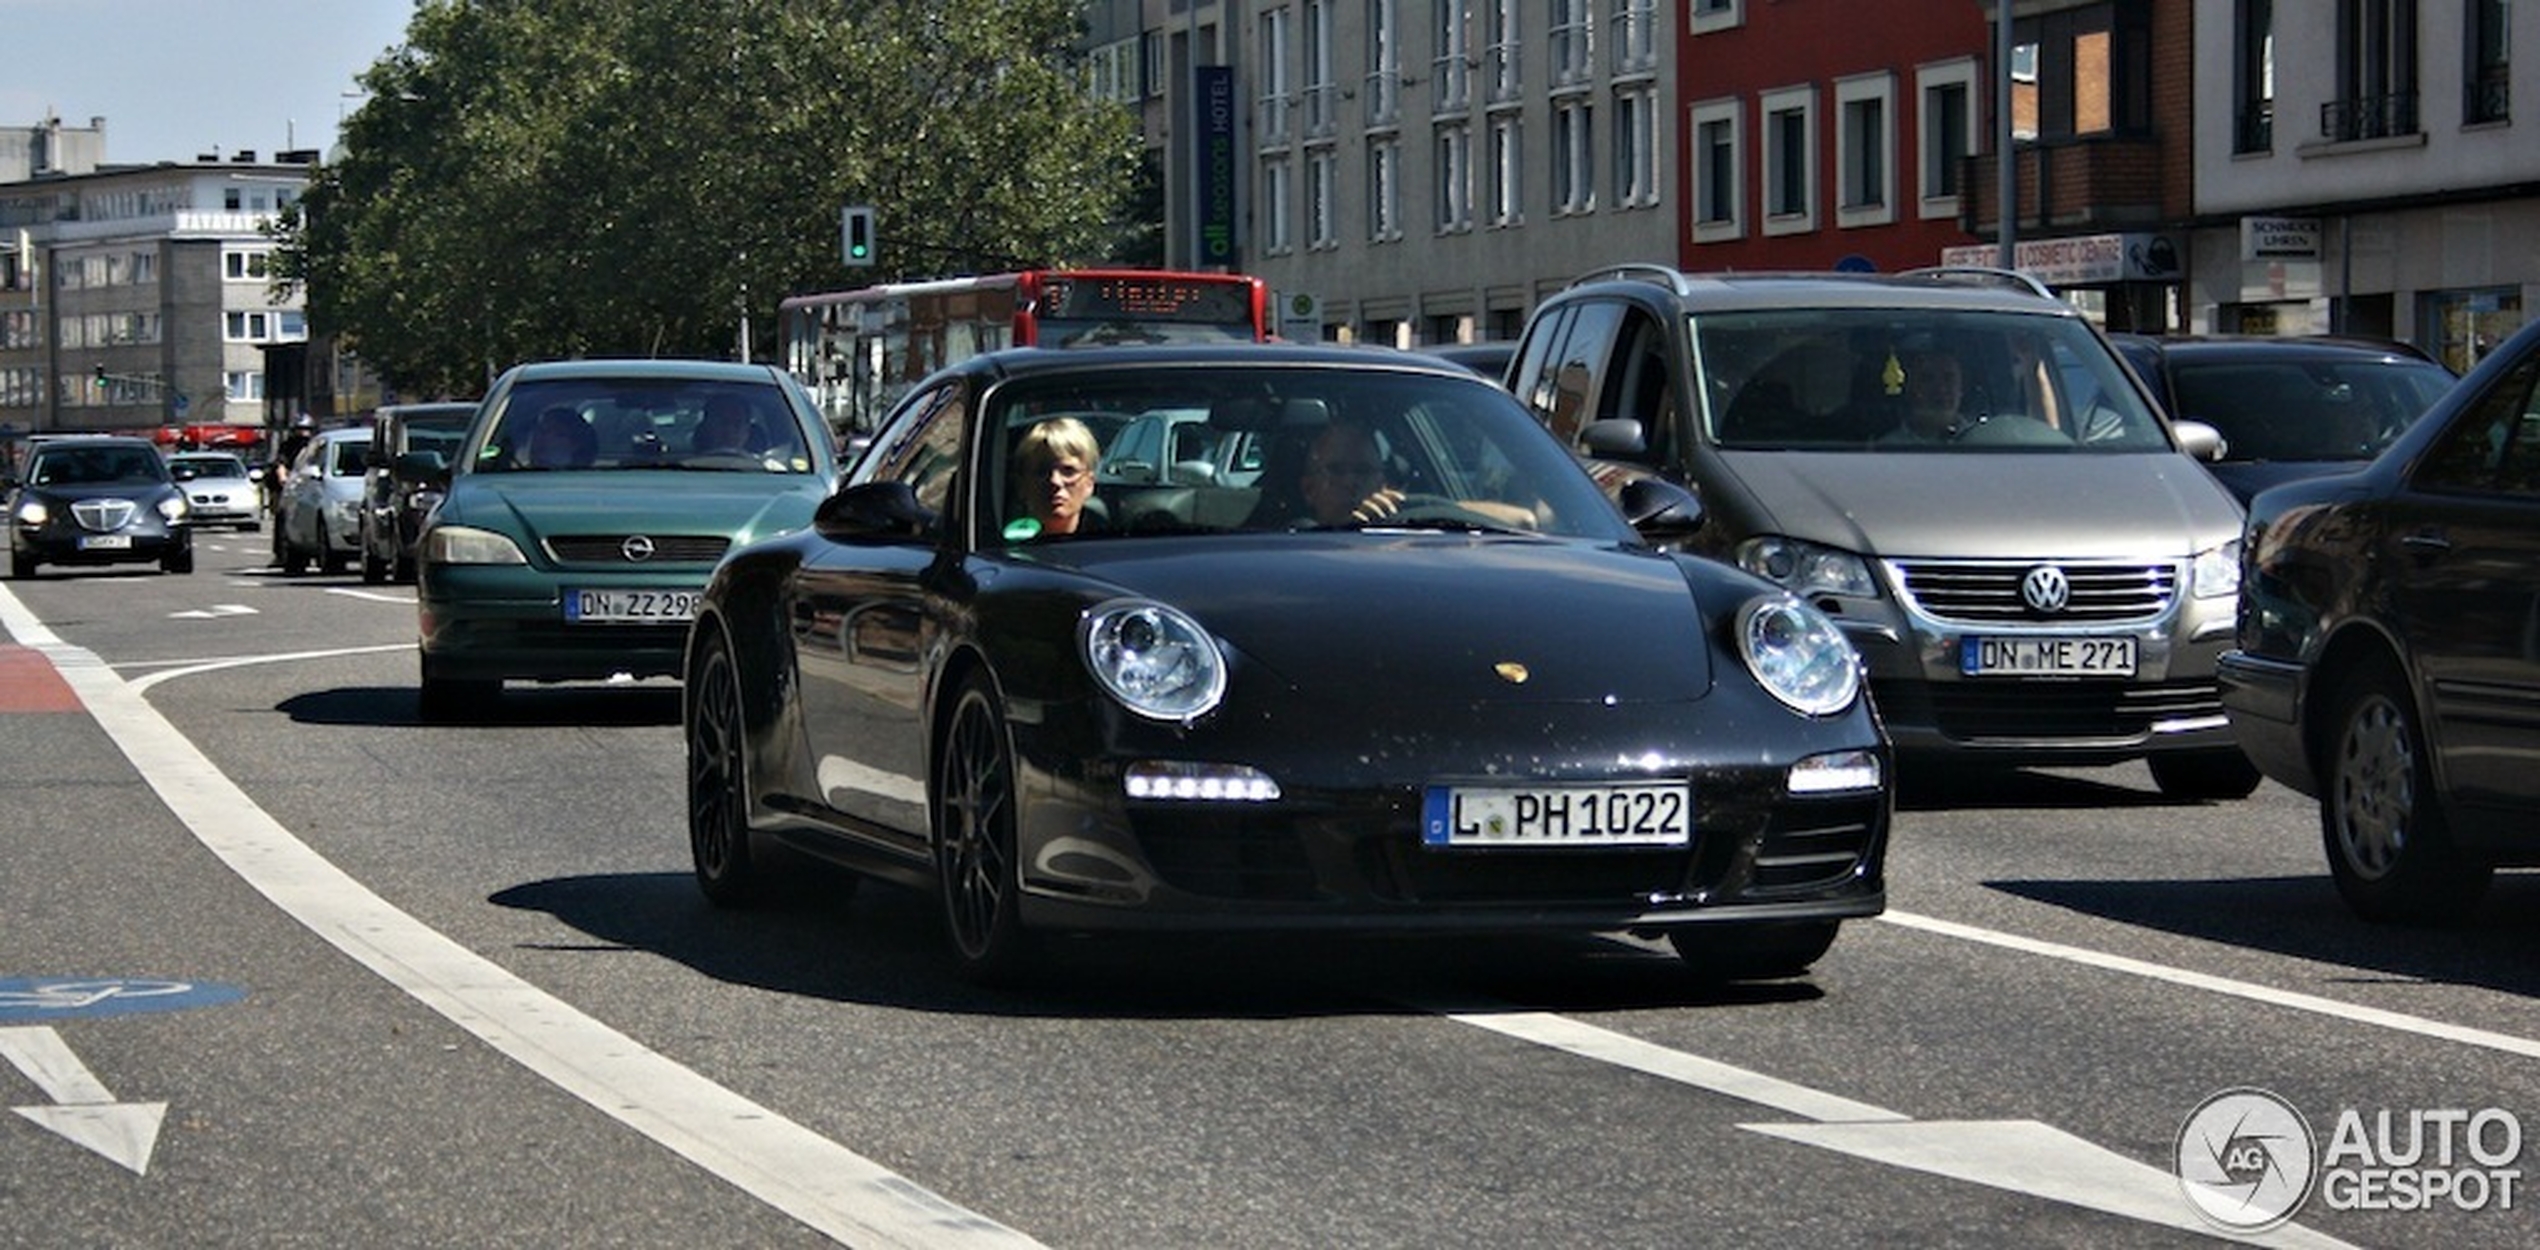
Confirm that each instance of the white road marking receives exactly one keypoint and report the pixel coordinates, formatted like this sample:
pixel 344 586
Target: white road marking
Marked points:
pixel 372 595
pixel 191 667
pixel 82 1110
pixel 822 1184
pixel 2017 1156
pixel 2350 1012
pixel 213 612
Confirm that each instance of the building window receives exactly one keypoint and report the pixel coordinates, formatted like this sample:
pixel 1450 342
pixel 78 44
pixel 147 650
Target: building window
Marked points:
pixel 1948 138
pixel 1321 94
pixel 1573 44
pixel 1573 156
pixel 1716 162
pixel 1636 147
pixel 1450 74
pixel 1711 15
pixel 1790 161
pixel 1272 120
pixel 1635 36
pixel 1383 97
pixel 1384 190
pixel 1507 169
pixel 1322 199
pixel 2253 76
pixel 244 386
pixel 2490 82
pixel 1455 178
pixel 248 327
pixel 2376 71
pixel 1502 60
pixel 240 266
pixel 2082 71
pixel 1865 150
pixel 1278 206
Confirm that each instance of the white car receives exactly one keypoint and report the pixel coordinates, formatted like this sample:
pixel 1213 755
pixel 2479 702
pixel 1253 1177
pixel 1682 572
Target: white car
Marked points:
pixel 218 489
pixel 321 515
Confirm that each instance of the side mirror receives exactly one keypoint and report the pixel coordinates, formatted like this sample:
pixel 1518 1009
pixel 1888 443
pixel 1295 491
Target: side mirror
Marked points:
pixel 2199 440
pixel 1660 510
pixel 421 468
pixel 873 510
pixel 1615 436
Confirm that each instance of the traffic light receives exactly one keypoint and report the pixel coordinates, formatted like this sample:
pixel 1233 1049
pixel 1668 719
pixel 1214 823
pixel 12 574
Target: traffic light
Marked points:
pixel 857 224
pixel 101 375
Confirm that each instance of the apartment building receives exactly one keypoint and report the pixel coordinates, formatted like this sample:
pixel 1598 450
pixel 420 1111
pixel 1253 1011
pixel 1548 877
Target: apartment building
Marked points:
pixel 137 297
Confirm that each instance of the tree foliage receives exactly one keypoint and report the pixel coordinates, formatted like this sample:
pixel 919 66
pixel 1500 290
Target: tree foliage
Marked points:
pixel 533 179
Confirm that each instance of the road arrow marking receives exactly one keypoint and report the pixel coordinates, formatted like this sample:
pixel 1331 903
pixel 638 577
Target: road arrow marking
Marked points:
pixel 2019 1156
pixel 83 1112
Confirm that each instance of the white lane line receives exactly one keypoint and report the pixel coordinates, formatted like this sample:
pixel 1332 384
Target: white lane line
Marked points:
pixel 188 668
pixel 371 595
pixel 1606 1046
pixel 2350 1012
pixel 822 1184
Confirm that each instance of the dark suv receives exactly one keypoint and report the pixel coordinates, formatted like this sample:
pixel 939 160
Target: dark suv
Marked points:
pixel 2030 558
pixel 2291 407
pixel 393 511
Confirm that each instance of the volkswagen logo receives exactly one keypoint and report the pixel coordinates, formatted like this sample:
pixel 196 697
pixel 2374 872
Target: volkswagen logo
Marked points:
pixel 639 548
pixel 2046 589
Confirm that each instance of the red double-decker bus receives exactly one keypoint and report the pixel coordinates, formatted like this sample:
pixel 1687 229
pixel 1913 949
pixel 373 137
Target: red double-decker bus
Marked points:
pixel 859 351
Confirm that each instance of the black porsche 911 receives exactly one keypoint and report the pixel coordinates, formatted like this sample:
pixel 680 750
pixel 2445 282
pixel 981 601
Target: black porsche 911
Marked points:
pixel 1418 673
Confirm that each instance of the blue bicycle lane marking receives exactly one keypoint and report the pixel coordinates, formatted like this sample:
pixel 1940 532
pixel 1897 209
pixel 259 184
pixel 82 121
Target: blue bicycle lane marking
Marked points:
pixel 68 998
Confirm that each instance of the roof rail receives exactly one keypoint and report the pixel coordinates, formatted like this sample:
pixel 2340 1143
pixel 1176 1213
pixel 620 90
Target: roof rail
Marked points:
pixel 1642 271
pixel 1983 275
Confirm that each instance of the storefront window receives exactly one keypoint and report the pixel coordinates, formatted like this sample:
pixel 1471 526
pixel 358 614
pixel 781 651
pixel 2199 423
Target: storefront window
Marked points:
pixel 2465 325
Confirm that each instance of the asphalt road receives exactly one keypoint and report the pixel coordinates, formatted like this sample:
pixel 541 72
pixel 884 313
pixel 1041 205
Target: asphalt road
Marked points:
pixel 281 965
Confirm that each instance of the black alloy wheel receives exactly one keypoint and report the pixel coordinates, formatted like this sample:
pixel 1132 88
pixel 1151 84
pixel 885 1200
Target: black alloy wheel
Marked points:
pixel 975 838
pixel 718 794
pixel 2382 824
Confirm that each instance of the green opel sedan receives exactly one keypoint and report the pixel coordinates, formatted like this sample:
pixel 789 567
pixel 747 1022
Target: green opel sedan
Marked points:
pixel 585 509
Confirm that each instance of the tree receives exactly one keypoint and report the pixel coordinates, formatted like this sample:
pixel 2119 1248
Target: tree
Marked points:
pixel 533 179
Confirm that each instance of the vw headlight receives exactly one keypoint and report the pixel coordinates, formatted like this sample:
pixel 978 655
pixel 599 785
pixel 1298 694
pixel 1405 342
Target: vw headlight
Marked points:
pixel 1158 662
pixel 460 544
pixel 2216 572
pixel 1796 652
pixel 1806 568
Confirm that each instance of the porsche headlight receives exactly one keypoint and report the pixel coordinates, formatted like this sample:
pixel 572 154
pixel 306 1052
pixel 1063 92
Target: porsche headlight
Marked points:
pixel 1806 568
pixel 1796 652
pixel 2216 572
pixel 460 544
pixel 1158 662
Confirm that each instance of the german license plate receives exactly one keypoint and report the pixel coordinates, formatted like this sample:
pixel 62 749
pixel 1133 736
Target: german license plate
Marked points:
pixel 1631 814
pixel 615 607
pixel 105 542
pixel 2046 657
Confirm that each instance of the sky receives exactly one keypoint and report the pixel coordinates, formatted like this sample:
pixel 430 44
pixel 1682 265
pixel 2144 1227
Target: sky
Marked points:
pixel 178 78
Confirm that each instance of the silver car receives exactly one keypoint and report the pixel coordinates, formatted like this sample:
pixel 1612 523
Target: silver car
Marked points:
pixel 321 515
pixel 2032 560
pixel 218 489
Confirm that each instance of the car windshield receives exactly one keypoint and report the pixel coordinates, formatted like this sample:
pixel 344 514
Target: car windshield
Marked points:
pixel 441 432
pixel 213 466
pixel 642 423
pixel 1921 381
pixel 1213 451
pixel 2307 409
pixel 96 466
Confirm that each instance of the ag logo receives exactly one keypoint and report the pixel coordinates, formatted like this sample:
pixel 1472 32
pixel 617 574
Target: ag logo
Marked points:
pixel 2245 1160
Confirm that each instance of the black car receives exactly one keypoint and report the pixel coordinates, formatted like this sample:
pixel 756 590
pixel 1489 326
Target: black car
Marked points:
pixel 1420 675
pixel 1489 359
pixel 2287 407
pixel 97 500
pixel 393 510
pixel 2388 651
